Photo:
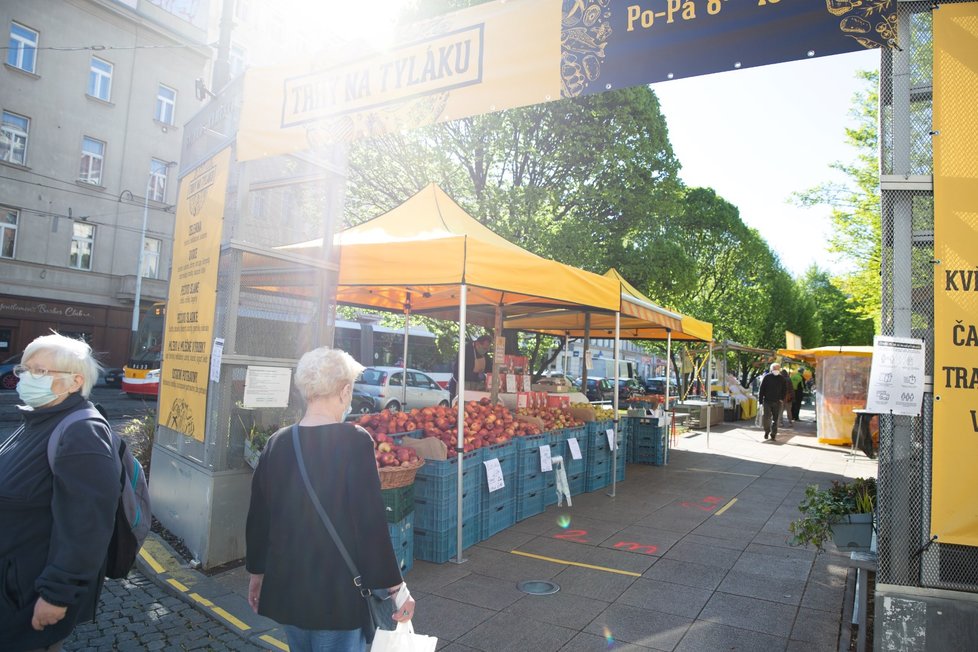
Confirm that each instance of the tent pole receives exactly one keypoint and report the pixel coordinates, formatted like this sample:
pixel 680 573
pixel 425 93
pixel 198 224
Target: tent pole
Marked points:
pixel 709 394
pixel 666 414
pixel 567 355
pixel 497 327
pixel 460 443
pixel 404 364
pixel 586 355
pixel 614 419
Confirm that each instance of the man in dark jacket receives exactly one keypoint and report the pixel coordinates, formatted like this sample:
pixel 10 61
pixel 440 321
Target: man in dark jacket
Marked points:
pixel 771 395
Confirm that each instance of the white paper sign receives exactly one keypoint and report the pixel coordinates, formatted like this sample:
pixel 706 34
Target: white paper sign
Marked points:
pixel 545 462
pixel 267 387
pixel 575 448
pixel 896 379
pixel 611 438
pixel 216 351
pixel 494 475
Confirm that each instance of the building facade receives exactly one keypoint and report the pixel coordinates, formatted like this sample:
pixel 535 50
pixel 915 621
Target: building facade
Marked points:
pixel 93 95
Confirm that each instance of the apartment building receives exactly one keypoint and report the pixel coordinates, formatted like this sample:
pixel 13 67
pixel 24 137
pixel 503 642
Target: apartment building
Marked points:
pixel 93 96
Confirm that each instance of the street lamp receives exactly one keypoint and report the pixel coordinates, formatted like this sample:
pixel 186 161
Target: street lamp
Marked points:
pixel 142 247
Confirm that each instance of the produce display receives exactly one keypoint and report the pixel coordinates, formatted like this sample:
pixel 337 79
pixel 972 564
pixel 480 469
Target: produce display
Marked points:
pixel 601 412
pixel 485 424
pixel 554 418
pixel 389 454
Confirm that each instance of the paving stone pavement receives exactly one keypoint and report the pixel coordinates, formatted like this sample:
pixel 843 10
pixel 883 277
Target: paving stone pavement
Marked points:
pixel 137 614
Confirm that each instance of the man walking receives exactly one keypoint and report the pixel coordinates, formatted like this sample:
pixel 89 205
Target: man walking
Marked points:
pixel 771 395
pixel 798 385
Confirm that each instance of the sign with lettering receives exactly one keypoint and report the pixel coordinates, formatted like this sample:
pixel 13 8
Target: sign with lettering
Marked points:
pixel 267 387
pixel 955 411
pixel 188 335
pixel 494 475
pixel 502 55
pixel 54 311
pixel 896 379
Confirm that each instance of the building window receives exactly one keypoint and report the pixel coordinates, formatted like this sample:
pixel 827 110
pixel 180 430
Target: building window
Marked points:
pixel 22 48
pixel 8 232
pixel 157 180
pixel 242 10
pixel 237 61
pixel 151 257
pixel 100 79
pixel 82 245
pixel 166 104
pixel 93 154
pixel 13 138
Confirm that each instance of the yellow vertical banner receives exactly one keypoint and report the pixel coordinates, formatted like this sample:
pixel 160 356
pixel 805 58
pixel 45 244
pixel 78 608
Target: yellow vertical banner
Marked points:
pixel 954 513
pixel 192 298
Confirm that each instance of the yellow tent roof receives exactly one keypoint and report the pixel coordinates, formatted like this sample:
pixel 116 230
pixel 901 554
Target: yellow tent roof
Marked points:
pixel 812 355
pixel 420 252
pixel 641 319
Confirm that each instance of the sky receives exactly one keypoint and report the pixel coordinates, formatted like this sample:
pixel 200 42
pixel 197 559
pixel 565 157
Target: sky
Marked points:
pixel 758 135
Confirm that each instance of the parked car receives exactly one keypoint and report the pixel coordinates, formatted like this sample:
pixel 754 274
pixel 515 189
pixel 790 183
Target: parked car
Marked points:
pixel 7 378
pixel 628 387
pixel 598 389
pixel 384 385
pixel 657 385
pixel 112 377
pixel 362 403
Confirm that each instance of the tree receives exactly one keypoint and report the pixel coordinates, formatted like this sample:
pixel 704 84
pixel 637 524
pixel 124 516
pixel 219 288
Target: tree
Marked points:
pixel 837 320
pixel 856 234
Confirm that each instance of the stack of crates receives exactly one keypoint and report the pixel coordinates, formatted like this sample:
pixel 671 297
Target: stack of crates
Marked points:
pixel 399 507
pixel 576 470
pixel 598 473
pixel 531 482
pixel 499 507
pixel 436 506
pixel 649 442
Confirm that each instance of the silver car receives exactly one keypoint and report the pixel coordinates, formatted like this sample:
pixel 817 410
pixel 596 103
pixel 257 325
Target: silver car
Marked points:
pixel 385 385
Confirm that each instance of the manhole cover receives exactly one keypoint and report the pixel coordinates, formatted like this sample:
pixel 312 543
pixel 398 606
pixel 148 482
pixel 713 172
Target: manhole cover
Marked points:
pixel 538 587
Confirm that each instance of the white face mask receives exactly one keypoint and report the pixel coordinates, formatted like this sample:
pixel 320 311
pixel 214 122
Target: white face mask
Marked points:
pixel 36 392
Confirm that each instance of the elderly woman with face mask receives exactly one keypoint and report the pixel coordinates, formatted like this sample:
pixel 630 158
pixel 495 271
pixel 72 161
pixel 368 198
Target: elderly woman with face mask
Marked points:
pixel 55 523
pixel 298 576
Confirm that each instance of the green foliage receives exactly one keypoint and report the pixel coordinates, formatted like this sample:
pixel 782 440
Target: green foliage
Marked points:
pixel 822 507
pixel 139 434
pixel 835 315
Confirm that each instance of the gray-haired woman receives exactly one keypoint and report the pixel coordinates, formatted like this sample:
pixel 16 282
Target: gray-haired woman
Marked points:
pixel 55 523
pixel 298 577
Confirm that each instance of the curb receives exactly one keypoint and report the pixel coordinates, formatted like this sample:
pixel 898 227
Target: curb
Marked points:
pixel 159 562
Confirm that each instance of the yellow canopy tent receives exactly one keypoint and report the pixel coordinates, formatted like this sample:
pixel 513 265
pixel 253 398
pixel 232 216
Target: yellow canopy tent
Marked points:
pixel 841 382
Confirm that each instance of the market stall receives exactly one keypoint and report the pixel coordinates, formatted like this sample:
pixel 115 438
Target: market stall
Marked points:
pixel 841 381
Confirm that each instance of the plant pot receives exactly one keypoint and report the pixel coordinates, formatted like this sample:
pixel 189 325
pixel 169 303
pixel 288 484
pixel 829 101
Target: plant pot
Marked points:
pixel 853 532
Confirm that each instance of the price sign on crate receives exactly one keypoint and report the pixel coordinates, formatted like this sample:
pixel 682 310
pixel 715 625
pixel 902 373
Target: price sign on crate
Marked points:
pixel 545 463
pixel 611 438
pixel 575 448
pixel 494 475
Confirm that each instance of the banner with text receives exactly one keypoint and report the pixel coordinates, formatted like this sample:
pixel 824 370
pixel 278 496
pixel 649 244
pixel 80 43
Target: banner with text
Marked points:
pixel 193 296
pixel 503 55
pixel 954 514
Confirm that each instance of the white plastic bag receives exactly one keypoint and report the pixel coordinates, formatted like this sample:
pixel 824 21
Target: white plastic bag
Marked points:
pixel 402 639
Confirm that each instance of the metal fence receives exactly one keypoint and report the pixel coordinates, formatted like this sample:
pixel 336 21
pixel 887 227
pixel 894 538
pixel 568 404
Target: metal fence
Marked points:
pixel 906 557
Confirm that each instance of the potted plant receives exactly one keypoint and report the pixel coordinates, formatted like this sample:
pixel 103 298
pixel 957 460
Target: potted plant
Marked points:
pixel 844 512
pixel 255 440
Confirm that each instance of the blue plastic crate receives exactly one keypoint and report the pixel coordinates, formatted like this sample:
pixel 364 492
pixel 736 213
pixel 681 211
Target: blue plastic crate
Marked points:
pixel 507 456
pixel 550 492
pixel 577 484
pixel 531 481
pixel 532 441
pixel 497 517
pixel 402 540
pixel 530 504
pixel 398 436
pixel 595 427
pixel 439 546
pixel 432 514
pixel 597 481
pixel 441 468
pixel 580 431
pixel 555 437
pixel 398 502
pixel 438 479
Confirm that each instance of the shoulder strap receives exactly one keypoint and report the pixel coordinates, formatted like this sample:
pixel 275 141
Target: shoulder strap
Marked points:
pixel 322 512
pixel 72 417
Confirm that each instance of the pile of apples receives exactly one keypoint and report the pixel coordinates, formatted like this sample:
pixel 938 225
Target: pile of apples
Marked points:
pixel 601 412
pixel 554 418
pixel 387 453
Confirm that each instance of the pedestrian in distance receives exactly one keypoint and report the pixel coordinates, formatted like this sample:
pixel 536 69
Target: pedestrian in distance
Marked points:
pixel 771 396
pixel 788 401
pixel 478 363
pixel 798 386
pixel 56 520
pixel 297 574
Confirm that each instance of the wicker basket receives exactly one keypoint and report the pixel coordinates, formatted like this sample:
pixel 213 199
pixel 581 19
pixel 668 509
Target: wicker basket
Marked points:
pixel 394 477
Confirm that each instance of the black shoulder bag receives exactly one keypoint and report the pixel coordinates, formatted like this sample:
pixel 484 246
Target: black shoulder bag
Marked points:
pixel 379 602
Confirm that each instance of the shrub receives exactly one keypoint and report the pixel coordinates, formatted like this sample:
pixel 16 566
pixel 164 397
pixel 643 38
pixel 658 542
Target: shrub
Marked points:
pixel 823 507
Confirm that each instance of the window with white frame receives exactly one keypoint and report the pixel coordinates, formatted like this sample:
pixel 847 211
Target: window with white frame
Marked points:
pixel 166 105
pixel 151 257
pixel 92 157
pixel 100 79
pixel 8 231
pixel 22 47
pixel 13 138
pixel 82 245
pixel 237 60
pixel 157 179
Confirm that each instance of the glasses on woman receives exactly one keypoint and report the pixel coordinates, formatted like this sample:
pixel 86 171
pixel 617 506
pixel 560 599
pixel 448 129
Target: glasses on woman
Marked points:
pixel 22 370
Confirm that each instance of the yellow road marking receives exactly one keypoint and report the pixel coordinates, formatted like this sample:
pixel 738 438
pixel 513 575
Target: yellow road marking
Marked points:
pixel 201 599
pixel 231 619
pixel 575 563
pixel 155 565
pixel 274 641
pixel 178 585
pixel 726 507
